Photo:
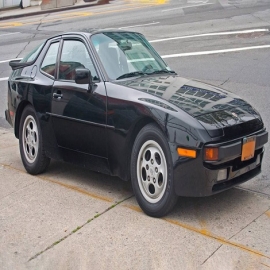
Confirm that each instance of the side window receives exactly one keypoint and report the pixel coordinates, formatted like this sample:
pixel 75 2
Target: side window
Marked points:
pixel 49 61
pixel 74 55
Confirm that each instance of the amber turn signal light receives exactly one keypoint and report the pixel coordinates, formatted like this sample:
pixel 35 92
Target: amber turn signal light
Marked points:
pixel 186 152
pixel 211 154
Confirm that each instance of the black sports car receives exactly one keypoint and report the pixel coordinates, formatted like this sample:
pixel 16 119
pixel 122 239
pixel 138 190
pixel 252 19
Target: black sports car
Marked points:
pixel 107 101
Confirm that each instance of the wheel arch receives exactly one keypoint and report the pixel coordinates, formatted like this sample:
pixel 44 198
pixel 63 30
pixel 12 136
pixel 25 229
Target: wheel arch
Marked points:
pixel 133 133
pixel 18 116
pixel 157 197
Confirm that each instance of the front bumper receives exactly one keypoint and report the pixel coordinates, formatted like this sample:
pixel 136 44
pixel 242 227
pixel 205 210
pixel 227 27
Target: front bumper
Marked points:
pixel 196 178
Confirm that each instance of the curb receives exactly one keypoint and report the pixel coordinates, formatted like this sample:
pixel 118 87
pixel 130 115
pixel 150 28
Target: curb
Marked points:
pixel 53 10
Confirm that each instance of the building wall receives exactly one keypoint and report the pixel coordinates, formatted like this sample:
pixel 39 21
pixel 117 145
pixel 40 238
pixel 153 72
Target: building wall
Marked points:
pixel 9 3
pixel 49 4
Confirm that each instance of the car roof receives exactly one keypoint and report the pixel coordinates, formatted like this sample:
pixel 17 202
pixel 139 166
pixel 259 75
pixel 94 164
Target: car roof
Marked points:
pixel 92 31
pixel 89 32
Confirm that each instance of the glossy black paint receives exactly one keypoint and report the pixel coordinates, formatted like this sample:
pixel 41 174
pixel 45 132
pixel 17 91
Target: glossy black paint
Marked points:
pixel 15 64
pixel 83 76
pixel 220 112
pixel 97 128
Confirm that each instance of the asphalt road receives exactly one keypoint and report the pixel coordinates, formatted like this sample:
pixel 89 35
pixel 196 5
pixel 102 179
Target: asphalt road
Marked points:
pixel 225 42
pixel 245 72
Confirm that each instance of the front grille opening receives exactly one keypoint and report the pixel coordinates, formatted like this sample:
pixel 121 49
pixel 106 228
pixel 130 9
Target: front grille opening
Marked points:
pixel 236 181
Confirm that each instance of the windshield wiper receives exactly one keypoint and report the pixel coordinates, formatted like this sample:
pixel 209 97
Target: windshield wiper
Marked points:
pixel 161 71
pixel 130 74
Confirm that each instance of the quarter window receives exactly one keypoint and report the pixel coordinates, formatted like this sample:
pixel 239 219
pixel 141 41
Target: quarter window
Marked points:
pixel 49 61
pixel 74 55
pixel 32 55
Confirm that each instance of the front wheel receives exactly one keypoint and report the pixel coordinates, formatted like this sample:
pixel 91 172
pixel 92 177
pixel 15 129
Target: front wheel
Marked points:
pixel 31 144
pixel 152 172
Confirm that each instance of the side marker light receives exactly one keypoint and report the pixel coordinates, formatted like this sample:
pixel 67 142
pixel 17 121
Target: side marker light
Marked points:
pixel 186 152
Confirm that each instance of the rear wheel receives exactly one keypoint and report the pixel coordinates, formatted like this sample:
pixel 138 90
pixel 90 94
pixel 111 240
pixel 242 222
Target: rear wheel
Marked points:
pixel 152 172
pixel 31 144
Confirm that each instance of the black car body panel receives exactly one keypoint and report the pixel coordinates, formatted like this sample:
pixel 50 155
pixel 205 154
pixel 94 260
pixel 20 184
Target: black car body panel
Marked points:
pixel 220 112
pixel 97 129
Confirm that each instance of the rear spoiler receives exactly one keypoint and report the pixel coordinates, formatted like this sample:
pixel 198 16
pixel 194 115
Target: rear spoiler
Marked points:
pixel 16 64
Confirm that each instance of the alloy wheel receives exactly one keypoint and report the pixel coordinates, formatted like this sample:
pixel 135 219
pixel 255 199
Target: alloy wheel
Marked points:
pixel 30 139
pixel 152 171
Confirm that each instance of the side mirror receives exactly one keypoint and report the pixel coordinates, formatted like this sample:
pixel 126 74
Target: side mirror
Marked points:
pixel 83 76
pixel 16 64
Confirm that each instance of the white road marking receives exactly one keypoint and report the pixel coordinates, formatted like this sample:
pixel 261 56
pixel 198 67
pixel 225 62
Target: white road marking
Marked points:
pixel 9 34
pixel 3 79
pixel 213 34
pixel 216 51
pixel 5 61
pixel 164 10
pixel 192 36
pixel 138 25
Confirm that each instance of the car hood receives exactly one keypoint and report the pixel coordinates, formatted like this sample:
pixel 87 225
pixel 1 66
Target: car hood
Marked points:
pixel 215 108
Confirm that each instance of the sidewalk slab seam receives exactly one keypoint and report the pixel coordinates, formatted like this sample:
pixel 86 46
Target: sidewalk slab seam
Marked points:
pixel 78 228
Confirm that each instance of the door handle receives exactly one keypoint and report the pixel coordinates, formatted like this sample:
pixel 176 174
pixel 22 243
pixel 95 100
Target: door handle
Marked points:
pixel 57 95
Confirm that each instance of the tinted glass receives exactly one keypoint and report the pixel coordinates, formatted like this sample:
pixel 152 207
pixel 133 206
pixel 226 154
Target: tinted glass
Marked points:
pixel 124 52
pixel 49 62
pixel 74 55
pixel 32 55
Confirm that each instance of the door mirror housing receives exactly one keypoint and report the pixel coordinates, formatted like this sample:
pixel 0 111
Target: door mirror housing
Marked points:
pixel 83 76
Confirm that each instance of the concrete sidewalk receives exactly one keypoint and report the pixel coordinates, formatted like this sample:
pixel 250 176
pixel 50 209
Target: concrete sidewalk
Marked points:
pixel 71 218
pixel 6 14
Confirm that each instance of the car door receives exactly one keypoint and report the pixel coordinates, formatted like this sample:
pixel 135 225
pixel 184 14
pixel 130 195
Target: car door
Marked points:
pixel 78 115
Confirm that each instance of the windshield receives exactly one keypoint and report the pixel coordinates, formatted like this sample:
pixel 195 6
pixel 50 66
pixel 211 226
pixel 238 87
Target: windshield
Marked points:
pixel 125 54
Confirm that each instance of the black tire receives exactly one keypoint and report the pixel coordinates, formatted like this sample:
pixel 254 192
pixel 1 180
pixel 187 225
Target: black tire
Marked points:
pixel 31 143
pixel 152 173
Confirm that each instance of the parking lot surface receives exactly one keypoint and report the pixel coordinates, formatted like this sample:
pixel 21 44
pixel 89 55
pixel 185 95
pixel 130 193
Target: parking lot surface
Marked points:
pixel 70 218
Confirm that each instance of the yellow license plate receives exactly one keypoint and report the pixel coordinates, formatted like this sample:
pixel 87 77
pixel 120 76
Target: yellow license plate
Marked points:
pixel 248 148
